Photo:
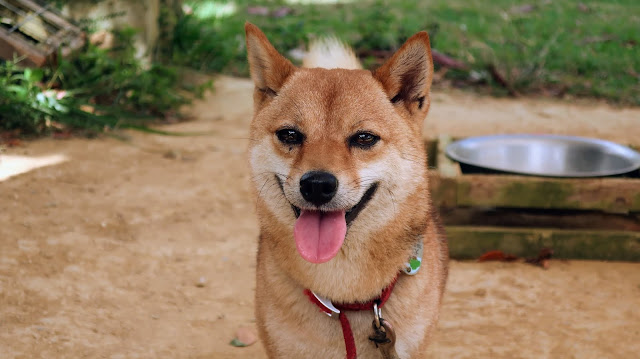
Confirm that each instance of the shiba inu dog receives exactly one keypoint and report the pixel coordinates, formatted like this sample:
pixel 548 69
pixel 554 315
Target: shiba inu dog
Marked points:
pixel 340 179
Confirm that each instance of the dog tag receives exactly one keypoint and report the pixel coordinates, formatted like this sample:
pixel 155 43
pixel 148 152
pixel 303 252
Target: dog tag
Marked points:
pixel 412 266
pixel 384 337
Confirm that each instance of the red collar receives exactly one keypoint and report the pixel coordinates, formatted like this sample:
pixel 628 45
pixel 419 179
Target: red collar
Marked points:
pixel 349 341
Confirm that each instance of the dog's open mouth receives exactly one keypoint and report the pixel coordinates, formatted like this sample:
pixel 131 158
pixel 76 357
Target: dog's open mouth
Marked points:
pixel 352 213
pixel 319 234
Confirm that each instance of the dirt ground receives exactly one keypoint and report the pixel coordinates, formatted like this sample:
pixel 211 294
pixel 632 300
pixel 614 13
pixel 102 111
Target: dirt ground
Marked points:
pixel 145 248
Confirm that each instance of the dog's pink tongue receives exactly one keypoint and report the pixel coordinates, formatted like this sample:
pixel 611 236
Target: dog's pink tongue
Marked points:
pixel 319 235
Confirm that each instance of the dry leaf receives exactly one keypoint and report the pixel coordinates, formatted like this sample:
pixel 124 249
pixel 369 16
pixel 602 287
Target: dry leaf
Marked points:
pixel 497 256
pixel 543 258
pixel 245 336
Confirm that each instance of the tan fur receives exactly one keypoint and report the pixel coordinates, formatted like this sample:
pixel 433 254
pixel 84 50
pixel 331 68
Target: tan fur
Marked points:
pixel 328 106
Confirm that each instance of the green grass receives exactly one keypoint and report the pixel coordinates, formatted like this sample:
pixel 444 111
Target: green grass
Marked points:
pixel 556 48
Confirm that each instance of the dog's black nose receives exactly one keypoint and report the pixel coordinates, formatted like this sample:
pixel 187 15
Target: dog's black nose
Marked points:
pixel 318 187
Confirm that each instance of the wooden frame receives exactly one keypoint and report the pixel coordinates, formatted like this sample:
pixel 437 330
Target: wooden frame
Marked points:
pixel 618 197
pixel 65 39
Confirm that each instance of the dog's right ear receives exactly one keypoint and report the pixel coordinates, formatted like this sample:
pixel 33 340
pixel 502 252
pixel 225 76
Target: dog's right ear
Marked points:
pixel 269 69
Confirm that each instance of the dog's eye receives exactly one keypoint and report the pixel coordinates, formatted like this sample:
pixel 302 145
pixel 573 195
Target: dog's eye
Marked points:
pixel 363 140
pixel 290 136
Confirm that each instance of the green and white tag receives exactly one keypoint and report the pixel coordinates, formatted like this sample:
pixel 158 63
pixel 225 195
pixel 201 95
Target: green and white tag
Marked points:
pixel 412 266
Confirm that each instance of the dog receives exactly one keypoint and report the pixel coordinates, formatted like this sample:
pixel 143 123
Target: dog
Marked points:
pixel 347 226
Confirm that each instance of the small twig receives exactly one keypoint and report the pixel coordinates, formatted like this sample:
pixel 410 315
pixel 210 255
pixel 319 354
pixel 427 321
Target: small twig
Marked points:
pixel 446 61
pixel 594 39
pixel 542 260
pixel 499 78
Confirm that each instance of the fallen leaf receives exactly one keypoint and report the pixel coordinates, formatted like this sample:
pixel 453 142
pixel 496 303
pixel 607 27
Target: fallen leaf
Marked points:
pixel 103 39
pixel 10 138
pixel 62 135
pixel 245 336
pixel 88 108
pixel 172 154
pixel 542 260
pixel 13 142
pixel 480 292
pixel 236 343
pixel 497 256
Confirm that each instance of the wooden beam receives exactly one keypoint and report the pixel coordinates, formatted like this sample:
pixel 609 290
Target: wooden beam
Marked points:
pixel 615 195
pixel 522 217
pixel 50 16
pixel 469 242
pixel 10 45
pixel 446 166
pixel 443 190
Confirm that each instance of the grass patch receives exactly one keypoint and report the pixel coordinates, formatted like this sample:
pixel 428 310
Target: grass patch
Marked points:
pixel 586 49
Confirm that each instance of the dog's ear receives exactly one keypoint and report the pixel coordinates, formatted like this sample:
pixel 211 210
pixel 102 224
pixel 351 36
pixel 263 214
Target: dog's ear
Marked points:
pixel 269 69
pixel 407 76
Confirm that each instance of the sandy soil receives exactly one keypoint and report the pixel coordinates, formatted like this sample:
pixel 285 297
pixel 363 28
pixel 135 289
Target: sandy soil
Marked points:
pixel 145 248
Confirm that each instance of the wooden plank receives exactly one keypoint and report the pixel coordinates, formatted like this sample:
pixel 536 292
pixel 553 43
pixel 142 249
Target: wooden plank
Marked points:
pixel 10 44
pixel 431 147
pixel 443 190
pixel 446 166
pixel 615 195
pixel 50 16
pixel 523 217
pixel 67 38
pixel 442 180
pixel 471 242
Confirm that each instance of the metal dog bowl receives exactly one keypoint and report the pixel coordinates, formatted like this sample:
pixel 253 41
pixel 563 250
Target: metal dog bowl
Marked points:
pixel 546 155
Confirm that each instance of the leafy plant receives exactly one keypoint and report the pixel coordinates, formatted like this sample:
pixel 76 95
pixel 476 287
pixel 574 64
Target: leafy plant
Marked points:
pixel 23 104
pixel 97 90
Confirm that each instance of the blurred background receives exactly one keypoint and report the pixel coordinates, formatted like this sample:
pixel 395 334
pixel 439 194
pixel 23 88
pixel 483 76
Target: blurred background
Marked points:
pixel 127 227
pixel 565 49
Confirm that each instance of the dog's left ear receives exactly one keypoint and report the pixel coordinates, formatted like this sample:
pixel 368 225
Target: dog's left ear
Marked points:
pixel 407 76
pixel 269 69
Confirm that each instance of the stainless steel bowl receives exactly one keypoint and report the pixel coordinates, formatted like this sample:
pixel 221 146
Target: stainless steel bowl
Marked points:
pixel 546 155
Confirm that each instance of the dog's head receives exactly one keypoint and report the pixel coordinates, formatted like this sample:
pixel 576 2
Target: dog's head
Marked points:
pixel 337 153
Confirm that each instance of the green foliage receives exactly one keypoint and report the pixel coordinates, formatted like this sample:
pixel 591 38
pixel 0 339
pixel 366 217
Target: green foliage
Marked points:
pixel 584 48
pixel 95 91
pixel 210 44
pixel 23 104
pixel 116 79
